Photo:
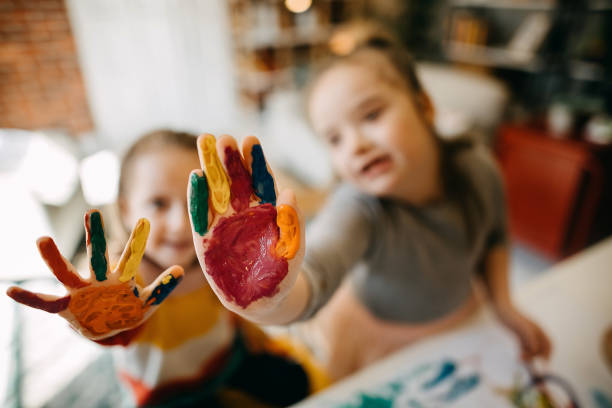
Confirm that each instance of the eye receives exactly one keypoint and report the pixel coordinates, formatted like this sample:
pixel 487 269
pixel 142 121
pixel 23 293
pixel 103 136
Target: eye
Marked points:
pixel 333 139
pixel 159 203
pixel 372 114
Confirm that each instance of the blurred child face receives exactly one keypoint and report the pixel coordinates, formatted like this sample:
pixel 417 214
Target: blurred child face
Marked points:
pixel 156 190
pixel 379 139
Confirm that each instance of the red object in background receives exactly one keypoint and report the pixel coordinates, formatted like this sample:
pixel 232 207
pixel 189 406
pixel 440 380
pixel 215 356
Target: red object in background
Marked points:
pixel 553 189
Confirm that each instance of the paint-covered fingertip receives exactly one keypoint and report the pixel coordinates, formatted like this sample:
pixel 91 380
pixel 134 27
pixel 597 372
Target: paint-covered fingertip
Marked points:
pixel 289 231
pixel 44 243
pixel 89 214
pixel 164 288
pixel 177 271
pixel 227 140
pixel 143 226
pixel 250 140
pixel 207 142
pixel 11 292
pixel 197 172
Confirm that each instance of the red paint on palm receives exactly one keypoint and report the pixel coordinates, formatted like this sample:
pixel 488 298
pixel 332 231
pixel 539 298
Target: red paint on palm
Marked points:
pixel 241 188
pixel 241 257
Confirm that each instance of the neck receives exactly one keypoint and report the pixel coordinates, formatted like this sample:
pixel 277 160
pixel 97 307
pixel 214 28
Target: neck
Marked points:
pixel 429 187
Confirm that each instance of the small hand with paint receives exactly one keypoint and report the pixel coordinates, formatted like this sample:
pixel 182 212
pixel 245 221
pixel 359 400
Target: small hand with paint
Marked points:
pixel 108 302
pixel 247 241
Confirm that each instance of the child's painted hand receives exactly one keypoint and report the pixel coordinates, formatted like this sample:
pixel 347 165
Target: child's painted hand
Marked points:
pixel 250 245
pixel 534 342
pixel 108 302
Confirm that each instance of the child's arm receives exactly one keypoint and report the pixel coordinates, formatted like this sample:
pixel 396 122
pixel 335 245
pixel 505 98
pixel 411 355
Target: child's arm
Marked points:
pixel 108 304
pixel 250 243
pixel 534 341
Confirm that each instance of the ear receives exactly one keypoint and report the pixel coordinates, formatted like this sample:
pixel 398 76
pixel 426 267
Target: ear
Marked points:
pixel 429 112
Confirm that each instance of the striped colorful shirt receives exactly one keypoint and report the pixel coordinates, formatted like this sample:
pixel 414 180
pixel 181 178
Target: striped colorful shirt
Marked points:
pixel 184 343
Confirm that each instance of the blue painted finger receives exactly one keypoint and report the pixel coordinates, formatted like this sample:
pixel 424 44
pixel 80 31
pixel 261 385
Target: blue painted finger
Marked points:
pixel 163 289
pixel 263 183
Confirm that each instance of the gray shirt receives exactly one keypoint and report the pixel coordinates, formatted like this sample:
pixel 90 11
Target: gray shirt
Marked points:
pixel 406 263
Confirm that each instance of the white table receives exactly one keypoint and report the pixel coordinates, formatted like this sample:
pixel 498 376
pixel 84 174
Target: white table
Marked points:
pixel 572 302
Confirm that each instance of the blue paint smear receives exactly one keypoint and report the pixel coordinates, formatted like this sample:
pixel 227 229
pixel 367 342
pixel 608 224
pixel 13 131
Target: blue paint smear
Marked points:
pixel 162 291
pixel 263 183
pixel 415 404
pixel 447 369
pixel 396 387
pixel 600 399
pixel 373 401
pixel 461 386
pixel 136 292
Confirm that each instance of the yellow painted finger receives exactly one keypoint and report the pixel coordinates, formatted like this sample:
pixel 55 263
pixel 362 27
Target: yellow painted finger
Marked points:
pixel 289 225
pixel 134 250
pixel 216 177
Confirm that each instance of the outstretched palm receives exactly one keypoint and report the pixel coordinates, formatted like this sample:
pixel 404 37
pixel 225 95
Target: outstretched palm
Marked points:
pixel 248 247
pixel 106 303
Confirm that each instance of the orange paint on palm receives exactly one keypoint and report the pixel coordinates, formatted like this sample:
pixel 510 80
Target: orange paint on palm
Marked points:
pixel 289 225
pixel 104 309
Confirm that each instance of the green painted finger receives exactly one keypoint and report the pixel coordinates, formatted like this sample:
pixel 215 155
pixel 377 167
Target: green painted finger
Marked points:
pixel 97 244
pixel 198 203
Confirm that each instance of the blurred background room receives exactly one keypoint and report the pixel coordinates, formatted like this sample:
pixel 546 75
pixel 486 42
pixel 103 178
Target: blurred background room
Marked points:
pixel 81 79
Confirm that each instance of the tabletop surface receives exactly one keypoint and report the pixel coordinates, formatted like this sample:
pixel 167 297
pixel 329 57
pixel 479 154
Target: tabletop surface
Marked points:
pixel 478 363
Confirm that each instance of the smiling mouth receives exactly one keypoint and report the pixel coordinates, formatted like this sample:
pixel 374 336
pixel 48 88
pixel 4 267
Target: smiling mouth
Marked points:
pixel 376 166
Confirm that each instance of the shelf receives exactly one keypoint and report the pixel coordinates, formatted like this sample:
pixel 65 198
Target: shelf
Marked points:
pixel 492 57
pixel 284 38
pixel 260 81
pixel 600 5
pixel 526 5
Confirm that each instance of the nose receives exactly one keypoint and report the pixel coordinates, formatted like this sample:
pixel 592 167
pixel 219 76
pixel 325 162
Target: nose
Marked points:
pixel 359 143
pixel 178 221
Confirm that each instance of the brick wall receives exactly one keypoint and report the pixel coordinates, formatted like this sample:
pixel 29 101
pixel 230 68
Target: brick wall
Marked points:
pixel 40 80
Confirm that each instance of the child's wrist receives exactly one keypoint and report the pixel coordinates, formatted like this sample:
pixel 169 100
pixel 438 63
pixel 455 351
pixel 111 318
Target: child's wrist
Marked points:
pixel 504 308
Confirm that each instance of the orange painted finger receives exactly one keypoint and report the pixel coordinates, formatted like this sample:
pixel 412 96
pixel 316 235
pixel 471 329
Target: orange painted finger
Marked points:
pixel 48 303
pixel 60 266
pixel 289 225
